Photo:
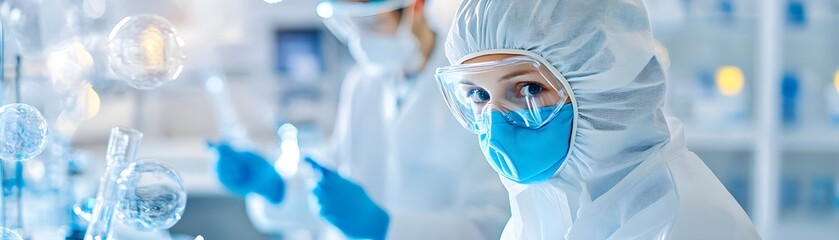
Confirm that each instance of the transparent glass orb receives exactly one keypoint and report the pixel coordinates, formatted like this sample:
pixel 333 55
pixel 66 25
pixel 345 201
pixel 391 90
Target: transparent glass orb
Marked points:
pixel 154 197
pixel 146 51
pixel 23 132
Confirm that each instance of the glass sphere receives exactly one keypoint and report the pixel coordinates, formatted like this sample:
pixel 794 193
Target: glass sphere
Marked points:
pixel 145 51
pixel 23 132
pixel 154 197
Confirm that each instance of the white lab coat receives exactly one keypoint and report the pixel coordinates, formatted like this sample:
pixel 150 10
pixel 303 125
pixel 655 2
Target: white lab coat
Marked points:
pixel 671 195
pixel 415 160
pixel 426 169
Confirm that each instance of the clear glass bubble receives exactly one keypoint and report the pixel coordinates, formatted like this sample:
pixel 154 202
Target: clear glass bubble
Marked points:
pixel 154 197
pixel 146 51
pixel 23 132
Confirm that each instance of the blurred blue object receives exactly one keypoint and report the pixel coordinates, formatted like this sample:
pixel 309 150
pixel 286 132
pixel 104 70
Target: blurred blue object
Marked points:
pixel 727 9
pixel 346 205
pixel 832 99
pixel 789 98
pixel 835 197
pixel 821 194
pixel 707 86
pixel 790 193
pixel 796 13
pixel 243 172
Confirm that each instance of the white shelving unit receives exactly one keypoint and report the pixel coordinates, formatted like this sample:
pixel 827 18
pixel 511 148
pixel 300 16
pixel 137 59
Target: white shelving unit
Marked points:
pixel 811 141
pixel 733 140
pixel 763 143
pixel 767 153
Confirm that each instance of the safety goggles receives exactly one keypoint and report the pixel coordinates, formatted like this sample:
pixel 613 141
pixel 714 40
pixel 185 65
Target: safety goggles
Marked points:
pixel 520 88
pixel 347 19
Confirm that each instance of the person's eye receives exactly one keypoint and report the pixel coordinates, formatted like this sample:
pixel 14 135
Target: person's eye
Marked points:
pixel 478 95
pixel 530 90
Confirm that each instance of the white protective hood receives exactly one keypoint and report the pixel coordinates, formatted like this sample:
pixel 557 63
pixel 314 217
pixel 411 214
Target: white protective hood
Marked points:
pixel 627 160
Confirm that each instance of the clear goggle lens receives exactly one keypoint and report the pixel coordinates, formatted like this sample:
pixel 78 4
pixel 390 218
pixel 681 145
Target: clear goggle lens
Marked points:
pixel 517 90
pixel 346 19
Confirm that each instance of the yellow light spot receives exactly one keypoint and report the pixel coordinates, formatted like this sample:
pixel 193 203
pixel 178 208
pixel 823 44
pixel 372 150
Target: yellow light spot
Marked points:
pixel 152 42
pixel 92 104
pixel 83 57
pixel 836 81
pixel 730 80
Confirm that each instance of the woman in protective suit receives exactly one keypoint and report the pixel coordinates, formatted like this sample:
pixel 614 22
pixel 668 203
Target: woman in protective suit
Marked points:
pixel 566 98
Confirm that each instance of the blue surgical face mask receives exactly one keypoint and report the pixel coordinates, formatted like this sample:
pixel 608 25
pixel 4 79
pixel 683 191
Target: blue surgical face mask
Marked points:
pixel 527 155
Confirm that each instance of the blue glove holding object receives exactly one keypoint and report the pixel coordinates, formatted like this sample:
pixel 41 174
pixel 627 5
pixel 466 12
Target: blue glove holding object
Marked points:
pixel 347 206
pixel 246 172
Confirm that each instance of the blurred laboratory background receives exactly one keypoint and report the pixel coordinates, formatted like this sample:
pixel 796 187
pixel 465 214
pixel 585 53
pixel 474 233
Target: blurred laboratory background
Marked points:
pixel 757 84
pixel 755 81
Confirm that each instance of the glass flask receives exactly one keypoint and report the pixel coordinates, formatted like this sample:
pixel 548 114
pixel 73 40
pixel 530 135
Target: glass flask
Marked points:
pixel 152 196
pixel 145 51
pixel 122 147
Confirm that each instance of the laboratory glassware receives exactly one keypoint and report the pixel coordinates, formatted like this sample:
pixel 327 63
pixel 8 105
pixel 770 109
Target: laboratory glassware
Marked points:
pixel 23 135
pixel 145 51
pixel 122 147
pixel 152 195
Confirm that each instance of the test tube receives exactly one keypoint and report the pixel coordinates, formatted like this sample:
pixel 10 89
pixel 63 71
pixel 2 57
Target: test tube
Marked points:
pixel 122 147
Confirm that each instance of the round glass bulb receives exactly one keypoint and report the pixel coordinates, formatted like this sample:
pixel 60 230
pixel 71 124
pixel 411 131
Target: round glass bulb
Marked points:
pixel 154 197
pixel 23 132
pixel 146 51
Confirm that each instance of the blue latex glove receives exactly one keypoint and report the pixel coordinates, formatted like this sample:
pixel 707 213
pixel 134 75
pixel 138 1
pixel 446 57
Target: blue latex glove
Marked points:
pixel 243 172
pixel 348 207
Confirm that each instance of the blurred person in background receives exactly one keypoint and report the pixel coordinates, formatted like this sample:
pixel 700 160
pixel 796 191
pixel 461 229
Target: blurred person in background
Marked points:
pixel 407 172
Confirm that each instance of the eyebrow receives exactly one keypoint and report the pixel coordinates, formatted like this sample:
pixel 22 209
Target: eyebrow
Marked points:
pixel 516 74
pixel 505 77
